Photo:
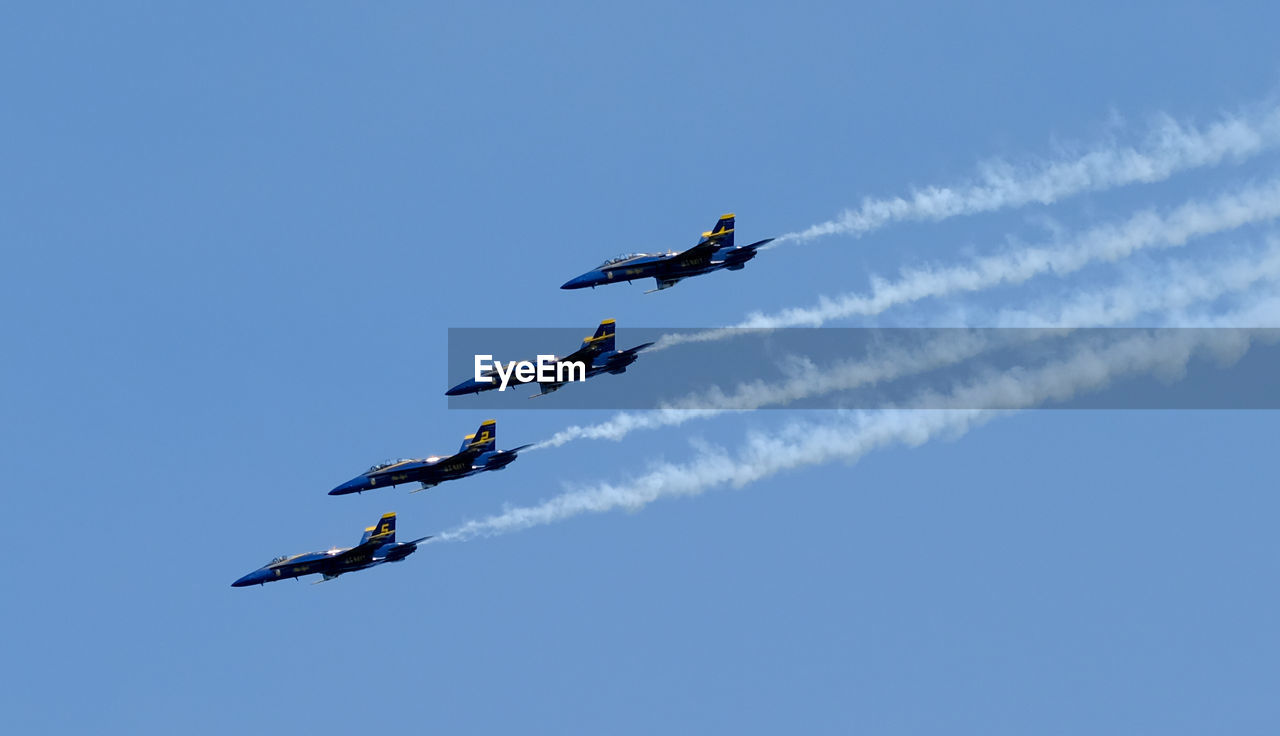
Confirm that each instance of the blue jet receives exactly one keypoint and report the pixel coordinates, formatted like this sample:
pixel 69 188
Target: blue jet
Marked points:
pixel 378 545
pixel 713 252
pixel 596 355
pixel 479 452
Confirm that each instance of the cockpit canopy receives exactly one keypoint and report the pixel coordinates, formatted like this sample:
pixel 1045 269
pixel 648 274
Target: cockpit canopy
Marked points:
pixel 274 560
pixel 622 258
pixel 387 464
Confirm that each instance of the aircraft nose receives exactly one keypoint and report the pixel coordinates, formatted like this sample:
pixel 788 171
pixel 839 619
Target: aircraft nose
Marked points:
pixel 468 386
pixel 589 278
pixel 252 578
pixel 351 486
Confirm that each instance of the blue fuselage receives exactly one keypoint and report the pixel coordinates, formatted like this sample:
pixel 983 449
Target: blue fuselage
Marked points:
pixel 428 471
pixel 330 563
pixel 667 267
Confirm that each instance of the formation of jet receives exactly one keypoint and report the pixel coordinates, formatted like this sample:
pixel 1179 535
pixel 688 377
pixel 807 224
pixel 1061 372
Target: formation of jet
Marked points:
pixel 478 453
pixel 714 251
pixel 597 355
pixel 378 545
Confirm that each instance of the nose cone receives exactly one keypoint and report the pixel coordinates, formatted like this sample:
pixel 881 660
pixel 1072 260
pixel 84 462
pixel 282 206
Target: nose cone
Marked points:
pixel 590 278
pixel 253 578
pixel 355 485
pixel 469 386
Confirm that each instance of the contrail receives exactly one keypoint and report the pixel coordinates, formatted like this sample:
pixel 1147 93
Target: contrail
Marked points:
pixel 855 434
pixel 1105 243
pixel 1176 286
pixel 1168 147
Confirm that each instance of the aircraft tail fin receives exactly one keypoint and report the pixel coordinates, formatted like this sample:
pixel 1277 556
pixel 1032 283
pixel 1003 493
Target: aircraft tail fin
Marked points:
pixel 722 233
pixel 484 439
pixel 602 341
pixel 383 532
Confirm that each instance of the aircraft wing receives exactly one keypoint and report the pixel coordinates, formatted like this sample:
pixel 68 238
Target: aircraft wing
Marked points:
pixel 664 284
pixel 362 552
pixel 546 388
pixel 359 553
pixel 582 355
pixel 700 252
pixel 638 348
pixel 753 246
pixel 717 237
pixel 469 453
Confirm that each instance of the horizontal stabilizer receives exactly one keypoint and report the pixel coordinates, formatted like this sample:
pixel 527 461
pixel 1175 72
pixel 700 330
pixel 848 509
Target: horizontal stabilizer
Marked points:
pixel 638 348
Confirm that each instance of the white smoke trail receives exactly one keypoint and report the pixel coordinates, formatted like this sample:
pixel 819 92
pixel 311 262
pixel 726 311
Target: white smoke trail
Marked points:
pixel 1165 353
pixel 1169 147
pixel 1107 243
pixel 1177 286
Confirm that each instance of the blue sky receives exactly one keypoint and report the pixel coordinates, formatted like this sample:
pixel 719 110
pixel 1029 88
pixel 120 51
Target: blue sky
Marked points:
pixel 235 239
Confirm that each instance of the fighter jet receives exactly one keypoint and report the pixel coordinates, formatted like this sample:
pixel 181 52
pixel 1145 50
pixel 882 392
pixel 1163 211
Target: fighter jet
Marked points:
pixel 378 545
pixel 596 355
pixel 713 252
pixel 477 454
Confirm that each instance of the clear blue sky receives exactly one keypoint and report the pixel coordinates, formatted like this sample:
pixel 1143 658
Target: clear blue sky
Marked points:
pixel 233 241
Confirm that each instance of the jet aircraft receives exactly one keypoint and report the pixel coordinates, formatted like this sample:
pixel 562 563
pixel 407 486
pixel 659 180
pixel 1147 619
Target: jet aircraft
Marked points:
pixel 378 545
pixel 714 251
pixel 477 454
pixel 597 355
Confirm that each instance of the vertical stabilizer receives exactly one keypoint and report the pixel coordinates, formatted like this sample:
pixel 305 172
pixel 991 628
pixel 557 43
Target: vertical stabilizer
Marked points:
pixel 722 233
pixel 602 341
pixel 383 532
pixel 484 439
